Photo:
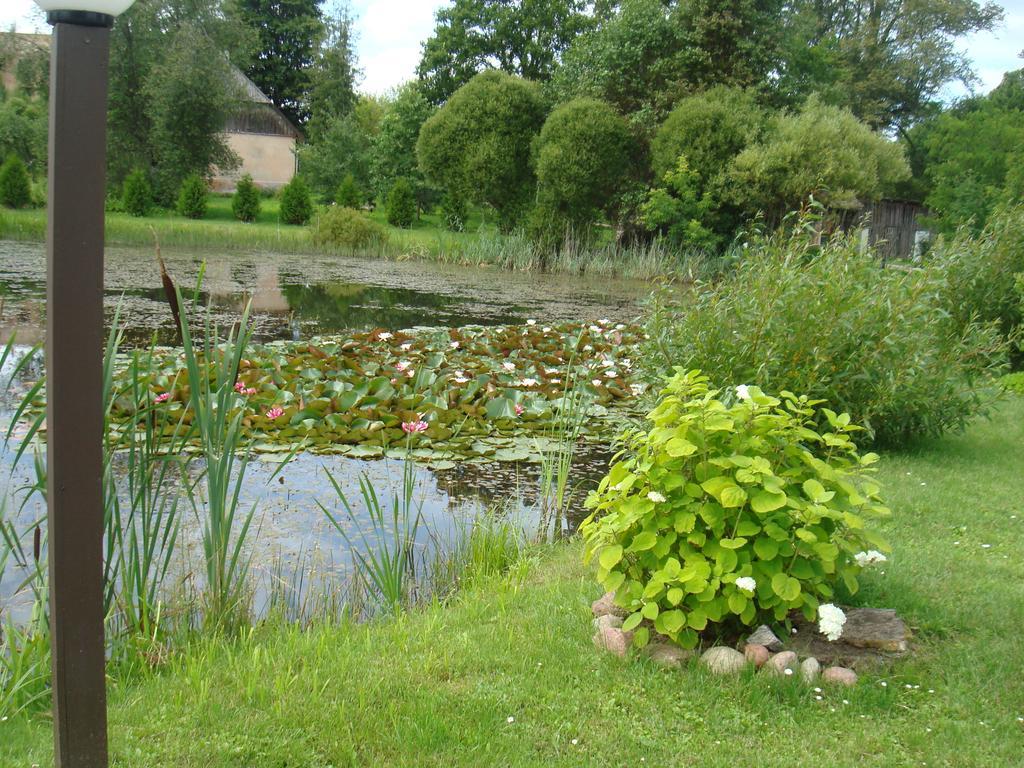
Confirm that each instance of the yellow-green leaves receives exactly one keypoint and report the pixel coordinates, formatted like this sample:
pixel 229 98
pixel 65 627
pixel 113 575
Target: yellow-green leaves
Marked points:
pixel 763 502
pixel 785 587
pixel 725 491
pixel 610 556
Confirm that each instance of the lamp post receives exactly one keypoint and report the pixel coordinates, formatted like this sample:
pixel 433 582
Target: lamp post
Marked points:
pixel 74 344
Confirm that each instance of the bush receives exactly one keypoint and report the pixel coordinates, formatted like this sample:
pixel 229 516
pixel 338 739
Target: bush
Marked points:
pixel 723 488
pixel 137 193
pixel 833 323
pixel 401 205
pixel 15 190
pixel 296 206
pixel 192 197
pixel 454 212
pixel 245 203
pixel 349 195
pixel 347 228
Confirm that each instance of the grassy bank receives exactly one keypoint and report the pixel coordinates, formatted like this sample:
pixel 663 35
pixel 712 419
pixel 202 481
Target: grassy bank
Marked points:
pixel 480 245
pixel 506 674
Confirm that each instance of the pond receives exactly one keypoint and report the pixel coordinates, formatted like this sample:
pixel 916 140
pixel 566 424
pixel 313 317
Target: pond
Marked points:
pixel 299 297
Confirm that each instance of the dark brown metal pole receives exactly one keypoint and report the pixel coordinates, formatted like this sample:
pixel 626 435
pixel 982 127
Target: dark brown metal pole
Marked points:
pixel 74 344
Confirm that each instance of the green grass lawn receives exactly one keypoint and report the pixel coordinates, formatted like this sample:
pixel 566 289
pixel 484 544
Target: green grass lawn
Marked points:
pixel 506 674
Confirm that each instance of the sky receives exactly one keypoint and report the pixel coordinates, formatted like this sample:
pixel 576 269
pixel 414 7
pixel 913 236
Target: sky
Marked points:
pixel 390 33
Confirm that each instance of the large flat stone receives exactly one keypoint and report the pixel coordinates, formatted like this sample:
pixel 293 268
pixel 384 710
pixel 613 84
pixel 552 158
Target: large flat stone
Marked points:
pixel 871 636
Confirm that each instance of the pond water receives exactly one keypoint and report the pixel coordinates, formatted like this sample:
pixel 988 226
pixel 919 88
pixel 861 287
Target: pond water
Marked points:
pixel 298 297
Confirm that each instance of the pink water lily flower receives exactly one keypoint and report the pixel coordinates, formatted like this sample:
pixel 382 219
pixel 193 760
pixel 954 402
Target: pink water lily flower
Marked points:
pixel 401 365
pixel 163 398
pixel 412 427
pixel 275 413
pixel 519 409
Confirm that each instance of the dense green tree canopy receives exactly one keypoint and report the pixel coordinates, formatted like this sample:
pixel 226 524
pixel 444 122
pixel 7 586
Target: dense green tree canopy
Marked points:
pixel 582 158
pixel 478 143
pixel 521 37
pixel 334 76
pixel 393 154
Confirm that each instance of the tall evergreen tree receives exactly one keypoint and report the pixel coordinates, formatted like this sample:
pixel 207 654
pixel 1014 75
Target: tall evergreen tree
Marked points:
pixel 335 74
pixel 288 34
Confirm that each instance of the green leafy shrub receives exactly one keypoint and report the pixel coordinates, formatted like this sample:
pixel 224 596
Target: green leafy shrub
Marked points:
pixel 835 324
pixel 137 193
pixel 678 210
pixel 454 212
pixel 245 203
pixel 1013 382
pixel 15 190
pixel 401 205
pixel 349 195
pixel 347 228
pixel 296 205
pixel 728 486
pixel 192 197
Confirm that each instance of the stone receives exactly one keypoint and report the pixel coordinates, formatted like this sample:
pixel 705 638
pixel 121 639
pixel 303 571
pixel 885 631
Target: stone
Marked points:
pixel 764 636
pixel 756 654
pixel 871 638
pixel 667 655
pixel 605 606
pixel 810 669
pixel 723 661
pixel 780 662
pixel 613 640
pixel 607 621
pixel 839 676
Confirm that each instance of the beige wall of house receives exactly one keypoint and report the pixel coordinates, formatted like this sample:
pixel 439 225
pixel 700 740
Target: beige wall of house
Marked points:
pixel 270 160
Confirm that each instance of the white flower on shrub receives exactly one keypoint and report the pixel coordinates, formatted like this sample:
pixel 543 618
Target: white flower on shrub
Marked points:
pixel 872 556
pixel 656 497
pixel 746 583
pixel 743 392
pixel 830 621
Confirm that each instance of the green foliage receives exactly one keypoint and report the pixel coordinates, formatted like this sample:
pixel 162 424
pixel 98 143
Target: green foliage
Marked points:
pixel 479 143
pixel 347 229
pixel 582 158
pixel 23 132
pixel 730 484
pixel 822 151
pixel 245 203
pixel 15 190
pixel 343 149
pixel 296 204
pixel 137 193
pixel 349 195
pixel 1013 382
pixel 454 211
pixel 832 322
pixel 192 197
pixel 393 151
pixel 523 39
pixel 401 205
pixel 677 209
pixel 332 88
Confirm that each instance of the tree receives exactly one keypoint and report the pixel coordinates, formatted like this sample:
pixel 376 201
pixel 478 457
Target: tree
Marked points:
pixel 520 37
pixel 332 92
pixel 349 195
pixel 822 151
pixel 192 197
pixel 401 205
pixel 15 190
pixel 296 206
pixel 885 60
pixel 288 33
pixel 582 158
pixel 191 94
pixel 23 132
pixel 245 203
pixel 137 194
pixel 678 209
pixel 343 149
pixel 393 150
pixel 478 143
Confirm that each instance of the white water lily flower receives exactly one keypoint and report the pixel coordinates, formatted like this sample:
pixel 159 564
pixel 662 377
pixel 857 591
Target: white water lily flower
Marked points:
pixel 637 389
pixel 830 621
pixel 461 379
pixel 454 345
pixel 528 382
pixel 508 366
pixel 531 322
pixel 596 382
pixel 743 392
pixel 556 381
pixel 656 497
pixel 594 329
pixel 604 321
pixel 546 329
pixel 746 583
pixel 406 347
pixel 588 348
pixel 606 363
pixel 872 556
pixel 384 336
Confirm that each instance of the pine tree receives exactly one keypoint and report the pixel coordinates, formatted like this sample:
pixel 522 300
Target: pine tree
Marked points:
pixel 245 204
pixel 15 191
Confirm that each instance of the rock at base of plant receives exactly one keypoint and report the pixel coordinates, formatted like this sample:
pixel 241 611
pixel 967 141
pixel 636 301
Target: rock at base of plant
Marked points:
pixel 605 606
pixel 871 637
pixel 607 620
pixel 839 676
pixel 809 670
pixel 723 661
pixel 756 654
pixel 764 636
pixel 783 663
pixel 613 640
pixel 667 655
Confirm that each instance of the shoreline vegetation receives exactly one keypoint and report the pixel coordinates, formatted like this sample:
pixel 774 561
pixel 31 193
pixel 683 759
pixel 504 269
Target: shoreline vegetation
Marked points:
pixel 503 671
pixel 481 245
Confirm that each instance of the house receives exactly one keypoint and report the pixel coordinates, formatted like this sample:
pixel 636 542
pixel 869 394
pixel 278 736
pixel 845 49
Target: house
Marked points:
pixel 262 137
